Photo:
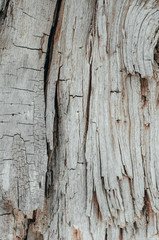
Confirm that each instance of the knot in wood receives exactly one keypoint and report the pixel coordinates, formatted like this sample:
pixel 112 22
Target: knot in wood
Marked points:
pixel 140 36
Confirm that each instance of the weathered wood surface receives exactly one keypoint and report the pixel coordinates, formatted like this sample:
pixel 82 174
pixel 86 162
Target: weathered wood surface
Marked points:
pixel 79 119
pixel 25 28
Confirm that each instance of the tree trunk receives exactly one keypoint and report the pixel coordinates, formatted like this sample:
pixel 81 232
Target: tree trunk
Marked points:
pixel 79 134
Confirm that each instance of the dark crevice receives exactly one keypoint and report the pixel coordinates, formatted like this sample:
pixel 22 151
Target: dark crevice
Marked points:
pixel 88 99
pixel 49 53
pixel 74 96
pixel 18 192
pixel 29 222
pixel 121 234
pixel 106 236
pixel 88 109
pixel 144 91
pixel 49 173
pixel 56 116
pixel 135 227
pixel 147 209
pixel 4 10
pixel 49 56
pixel 156 53
pixel 100 161
pixel 115 91
pixel 5 214
pixel 56 102
pixel 48 182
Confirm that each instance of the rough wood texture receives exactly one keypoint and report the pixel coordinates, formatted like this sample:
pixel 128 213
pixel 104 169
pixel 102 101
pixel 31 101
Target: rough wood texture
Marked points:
pixel 79 120
pixel 24 32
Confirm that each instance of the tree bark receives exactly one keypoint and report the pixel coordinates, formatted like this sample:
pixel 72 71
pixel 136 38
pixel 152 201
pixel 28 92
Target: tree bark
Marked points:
pixel 79 117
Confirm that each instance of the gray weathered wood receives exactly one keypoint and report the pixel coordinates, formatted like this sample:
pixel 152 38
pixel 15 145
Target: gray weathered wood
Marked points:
pixel 79 118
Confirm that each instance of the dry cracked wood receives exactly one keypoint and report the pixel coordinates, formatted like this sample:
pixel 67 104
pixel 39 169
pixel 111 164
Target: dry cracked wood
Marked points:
pixel 79 119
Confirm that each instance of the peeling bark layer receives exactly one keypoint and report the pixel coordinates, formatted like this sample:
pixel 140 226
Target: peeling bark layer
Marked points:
pixel 79 120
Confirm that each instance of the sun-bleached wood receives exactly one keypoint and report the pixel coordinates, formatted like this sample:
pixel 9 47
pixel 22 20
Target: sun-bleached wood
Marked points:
pixel 79 119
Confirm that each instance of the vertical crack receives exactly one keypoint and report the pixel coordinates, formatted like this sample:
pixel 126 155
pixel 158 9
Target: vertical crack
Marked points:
pixel 156 53
pixel 121 234
pixel 47 66
pixel 32 231
pixel 29 222
pixel 50 46
pixel 106 235
pixel 88 113
pixel 88 97
pixel 49 173
pixel 56 106
pixel 4 10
